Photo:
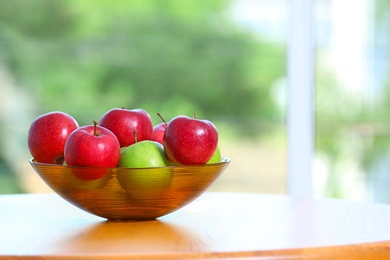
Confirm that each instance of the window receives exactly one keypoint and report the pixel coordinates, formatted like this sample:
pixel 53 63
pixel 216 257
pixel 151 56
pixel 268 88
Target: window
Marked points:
pixel 301 105
pixel 352 93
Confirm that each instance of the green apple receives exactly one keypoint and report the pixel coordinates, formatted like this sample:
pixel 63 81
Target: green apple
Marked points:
pixel 147 177
pixel 216 158
pixel 143 154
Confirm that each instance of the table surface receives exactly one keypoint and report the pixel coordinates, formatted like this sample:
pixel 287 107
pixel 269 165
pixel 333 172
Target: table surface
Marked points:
pixel 216 225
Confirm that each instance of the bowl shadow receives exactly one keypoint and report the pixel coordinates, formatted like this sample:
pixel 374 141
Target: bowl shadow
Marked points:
pixel 131 238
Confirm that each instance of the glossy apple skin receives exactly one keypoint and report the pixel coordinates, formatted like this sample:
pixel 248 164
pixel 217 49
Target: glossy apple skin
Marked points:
pixel 143 154
pixel 123 122
pixel 84 148
pixel 158 133
pixel 47 136
pixel 190 141
pixel 217 157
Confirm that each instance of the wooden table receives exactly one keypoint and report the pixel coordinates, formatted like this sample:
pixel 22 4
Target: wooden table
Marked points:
pixel 217 225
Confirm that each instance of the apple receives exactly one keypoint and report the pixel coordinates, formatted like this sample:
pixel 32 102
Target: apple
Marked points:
pixel 216 158
pixel 159 131
pixel 190 141
pixel 93 146
pixel 47 136
pixel 143 154
pixel 123 122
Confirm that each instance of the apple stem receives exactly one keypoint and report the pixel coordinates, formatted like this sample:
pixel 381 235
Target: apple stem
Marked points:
pixel 195 116
pixel 94 128
pixel 135 137
pixel 162 118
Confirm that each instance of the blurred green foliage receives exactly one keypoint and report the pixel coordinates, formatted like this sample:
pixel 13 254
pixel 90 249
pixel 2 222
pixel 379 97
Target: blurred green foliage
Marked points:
pixel 165 56
pixel 353 129
pixel 178 57
pixel 168 56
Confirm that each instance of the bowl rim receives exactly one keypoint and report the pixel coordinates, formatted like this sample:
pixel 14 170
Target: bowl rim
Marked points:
pixel 224 160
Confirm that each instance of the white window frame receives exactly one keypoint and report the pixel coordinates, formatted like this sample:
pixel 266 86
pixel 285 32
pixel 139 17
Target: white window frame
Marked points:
pixel 300 112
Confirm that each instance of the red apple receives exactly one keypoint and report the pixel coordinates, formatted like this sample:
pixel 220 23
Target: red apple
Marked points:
pixel 93 146
pixel 159 131
pixel 123 123
pixel 190 140
pixel 47 136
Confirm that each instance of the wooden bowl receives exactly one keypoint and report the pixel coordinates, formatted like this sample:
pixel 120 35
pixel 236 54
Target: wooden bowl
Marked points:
pixel 130 194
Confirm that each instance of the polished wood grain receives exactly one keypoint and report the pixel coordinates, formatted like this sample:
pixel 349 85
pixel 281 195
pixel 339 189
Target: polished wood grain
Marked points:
pixel 214 226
